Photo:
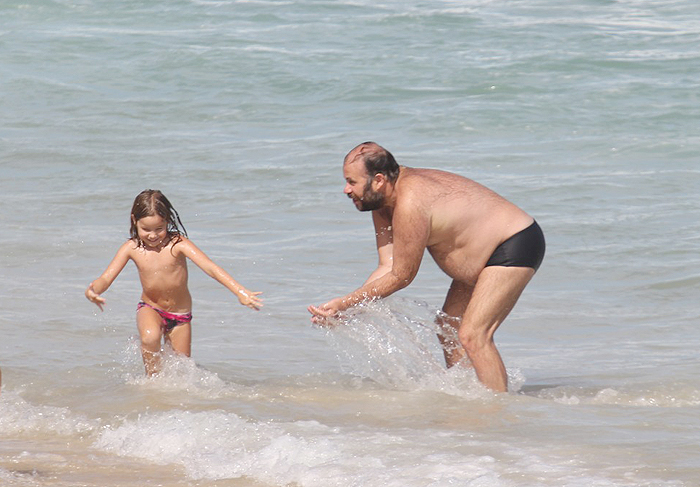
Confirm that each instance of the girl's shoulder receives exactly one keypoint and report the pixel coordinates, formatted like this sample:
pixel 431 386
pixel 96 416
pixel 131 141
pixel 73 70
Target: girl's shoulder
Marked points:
pixel 129 247
pixel 179 243
pixel 129 244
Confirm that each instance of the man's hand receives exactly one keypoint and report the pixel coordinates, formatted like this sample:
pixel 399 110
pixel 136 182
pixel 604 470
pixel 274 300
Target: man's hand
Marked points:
pixel 321 314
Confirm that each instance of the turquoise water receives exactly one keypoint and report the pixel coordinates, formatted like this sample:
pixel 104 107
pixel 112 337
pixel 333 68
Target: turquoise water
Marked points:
pixel 584 113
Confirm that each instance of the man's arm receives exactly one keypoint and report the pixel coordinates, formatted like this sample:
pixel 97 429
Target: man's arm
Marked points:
pixel 385 243
pixel 410 227
pixel 410 231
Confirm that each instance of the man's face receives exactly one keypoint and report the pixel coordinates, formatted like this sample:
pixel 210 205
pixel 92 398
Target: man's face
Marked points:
pixel 358 187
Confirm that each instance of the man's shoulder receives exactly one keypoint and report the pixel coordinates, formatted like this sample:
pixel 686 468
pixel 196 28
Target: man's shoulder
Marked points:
pixel 419 175
pixel 418 184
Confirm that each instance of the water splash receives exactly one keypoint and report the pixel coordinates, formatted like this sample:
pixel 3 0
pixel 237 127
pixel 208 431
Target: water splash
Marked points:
pixel 395 343
pixel 179 374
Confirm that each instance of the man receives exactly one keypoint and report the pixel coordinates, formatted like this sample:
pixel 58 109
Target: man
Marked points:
pixel 488 246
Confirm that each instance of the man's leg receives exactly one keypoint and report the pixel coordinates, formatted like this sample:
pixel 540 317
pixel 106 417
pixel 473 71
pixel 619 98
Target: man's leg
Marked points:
pixel 496 291
pixel 455 303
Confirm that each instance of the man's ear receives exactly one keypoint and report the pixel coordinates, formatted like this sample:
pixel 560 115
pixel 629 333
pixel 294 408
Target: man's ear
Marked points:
pixel 379 181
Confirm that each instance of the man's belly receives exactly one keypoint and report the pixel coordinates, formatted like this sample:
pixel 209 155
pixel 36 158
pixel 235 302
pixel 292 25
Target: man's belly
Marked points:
pixel 459 264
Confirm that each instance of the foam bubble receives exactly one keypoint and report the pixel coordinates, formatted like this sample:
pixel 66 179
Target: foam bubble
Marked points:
pixel 216 445
pixel 19 478
pixel 649 395
pixel 18 416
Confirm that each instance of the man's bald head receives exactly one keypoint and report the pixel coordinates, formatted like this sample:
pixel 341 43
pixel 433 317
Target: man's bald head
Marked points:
pixel 376 160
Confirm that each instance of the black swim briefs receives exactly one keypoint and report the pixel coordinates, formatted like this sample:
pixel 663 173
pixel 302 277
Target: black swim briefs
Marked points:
pixel 524 249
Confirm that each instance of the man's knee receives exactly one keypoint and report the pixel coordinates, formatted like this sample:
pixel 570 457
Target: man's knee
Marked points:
pixel 473 338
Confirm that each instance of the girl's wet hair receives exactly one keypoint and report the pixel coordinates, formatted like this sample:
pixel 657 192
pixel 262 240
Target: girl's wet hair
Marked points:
pixel 152 202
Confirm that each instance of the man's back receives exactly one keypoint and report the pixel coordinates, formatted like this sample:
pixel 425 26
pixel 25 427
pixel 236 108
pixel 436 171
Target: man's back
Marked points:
pixel 467 220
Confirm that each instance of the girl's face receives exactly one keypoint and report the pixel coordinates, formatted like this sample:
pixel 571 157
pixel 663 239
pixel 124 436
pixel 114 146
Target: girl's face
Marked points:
pixel 153 231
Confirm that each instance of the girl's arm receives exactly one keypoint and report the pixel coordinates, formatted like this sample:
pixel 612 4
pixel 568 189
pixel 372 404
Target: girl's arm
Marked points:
pixel 192 252
pixel 102 283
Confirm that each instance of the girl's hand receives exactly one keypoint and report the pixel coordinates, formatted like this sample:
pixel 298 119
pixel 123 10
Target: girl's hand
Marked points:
pixel 93 297
pixel 250 299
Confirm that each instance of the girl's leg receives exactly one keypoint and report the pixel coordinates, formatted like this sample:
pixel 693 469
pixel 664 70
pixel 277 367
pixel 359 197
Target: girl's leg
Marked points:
pixel 149 322
pixel 180 338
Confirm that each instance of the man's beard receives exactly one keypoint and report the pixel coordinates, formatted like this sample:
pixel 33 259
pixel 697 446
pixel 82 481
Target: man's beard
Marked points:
pixel 371 200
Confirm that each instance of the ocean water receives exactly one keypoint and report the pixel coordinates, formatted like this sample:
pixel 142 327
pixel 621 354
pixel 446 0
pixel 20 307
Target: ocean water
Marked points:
pixel 584 113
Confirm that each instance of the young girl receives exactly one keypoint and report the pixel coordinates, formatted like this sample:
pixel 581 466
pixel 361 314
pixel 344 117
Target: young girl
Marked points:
pixel 159 247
